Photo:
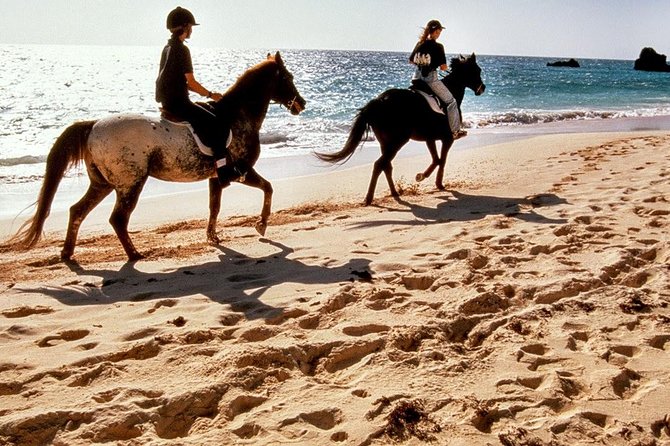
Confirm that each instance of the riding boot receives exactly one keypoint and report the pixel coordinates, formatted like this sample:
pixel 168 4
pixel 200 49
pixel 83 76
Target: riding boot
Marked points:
pixel 228 171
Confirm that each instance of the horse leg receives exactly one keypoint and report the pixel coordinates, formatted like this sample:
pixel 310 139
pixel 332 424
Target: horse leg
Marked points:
pixel 96 192
pixel 126 200
pixel 432 148
pixel 253 179
pixel 214 208
pixel 383 164
pixel 446 145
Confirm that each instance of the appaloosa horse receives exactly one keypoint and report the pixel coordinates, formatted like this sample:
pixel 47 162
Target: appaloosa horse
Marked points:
pixel 398 115
pixel 122 151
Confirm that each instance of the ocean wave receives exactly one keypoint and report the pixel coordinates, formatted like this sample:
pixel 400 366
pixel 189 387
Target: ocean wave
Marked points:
pixel 529 117
pixel 274 138
pixel 28 159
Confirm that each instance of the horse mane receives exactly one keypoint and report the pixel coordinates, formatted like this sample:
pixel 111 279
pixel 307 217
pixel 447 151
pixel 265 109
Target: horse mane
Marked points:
pixel 248 79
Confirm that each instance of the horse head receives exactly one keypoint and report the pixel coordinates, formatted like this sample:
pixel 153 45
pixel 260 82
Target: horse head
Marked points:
pixel 466 72
pixel 284 91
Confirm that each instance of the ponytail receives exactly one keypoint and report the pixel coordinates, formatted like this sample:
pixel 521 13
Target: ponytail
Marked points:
pixel 424 34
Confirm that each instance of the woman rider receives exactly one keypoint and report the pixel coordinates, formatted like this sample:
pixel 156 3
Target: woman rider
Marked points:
pixel 175 79
pixel 428 56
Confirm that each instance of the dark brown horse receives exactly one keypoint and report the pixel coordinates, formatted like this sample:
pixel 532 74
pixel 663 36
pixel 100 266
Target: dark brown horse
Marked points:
pixel 122 151
pixel 398 115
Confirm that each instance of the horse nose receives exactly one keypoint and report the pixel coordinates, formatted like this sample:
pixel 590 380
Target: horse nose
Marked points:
pixel 480 90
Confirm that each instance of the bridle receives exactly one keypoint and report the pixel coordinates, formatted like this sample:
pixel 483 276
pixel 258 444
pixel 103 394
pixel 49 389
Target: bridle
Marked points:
pixel 290 104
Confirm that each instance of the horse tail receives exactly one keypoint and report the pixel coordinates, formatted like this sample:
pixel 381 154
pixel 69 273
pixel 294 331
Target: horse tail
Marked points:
pixel 68 150
pixel 358 131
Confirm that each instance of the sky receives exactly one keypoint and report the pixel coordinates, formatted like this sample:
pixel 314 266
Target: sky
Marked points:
pixel 608 29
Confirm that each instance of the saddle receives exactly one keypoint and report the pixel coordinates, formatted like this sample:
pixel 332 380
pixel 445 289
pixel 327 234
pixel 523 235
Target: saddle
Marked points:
pixel 169 116
pixel 431 98
pixel 177 120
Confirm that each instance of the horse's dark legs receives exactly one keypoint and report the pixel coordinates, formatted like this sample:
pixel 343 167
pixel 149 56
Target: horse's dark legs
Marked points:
pixel 126 200
pixel 96 192
pixel 383 164
pixel 432 148
pixel 214 208
pixel 253 179
pixel 446 145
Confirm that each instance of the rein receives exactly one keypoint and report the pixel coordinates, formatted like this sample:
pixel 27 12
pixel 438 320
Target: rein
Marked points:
pixel 288 105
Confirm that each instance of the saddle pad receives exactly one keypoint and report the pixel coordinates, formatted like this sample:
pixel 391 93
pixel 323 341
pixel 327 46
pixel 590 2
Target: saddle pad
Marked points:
pixel 432 102
pixel 206 150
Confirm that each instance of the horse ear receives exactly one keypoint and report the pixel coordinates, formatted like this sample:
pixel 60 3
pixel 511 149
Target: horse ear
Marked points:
pixel 278 58
pixel 269 57
pixel 473 57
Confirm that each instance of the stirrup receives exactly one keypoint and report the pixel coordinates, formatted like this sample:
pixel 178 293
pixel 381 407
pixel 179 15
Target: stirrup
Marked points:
pixel 459 134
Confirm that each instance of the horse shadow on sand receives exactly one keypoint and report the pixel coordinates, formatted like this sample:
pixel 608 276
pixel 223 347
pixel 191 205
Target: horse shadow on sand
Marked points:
pixel 236 280
pixel 466 207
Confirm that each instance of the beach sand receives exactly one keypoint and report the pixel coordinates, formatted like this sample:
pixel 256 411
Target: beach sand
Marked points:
pixel 526 304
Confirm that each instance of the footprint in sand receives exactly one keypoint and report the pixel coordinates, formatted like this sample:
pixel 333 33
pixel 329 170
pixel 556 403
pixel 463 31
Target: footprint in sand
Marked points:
pixel 139 334
pixel 659 341
pixel 64 336
pixel 309 322
pixel 585 423
pixel 535 356
pixel 242 404
pixel 362 330
pixel 576 340
pixel 625 383
pixel 528 382
pixel 162 303
pixel 230 319
pixel 620 354
pixel 485 303
pixel 25 311
pixel 349 354
pixel 417 281
pixel 322 419
pixel 259 334
pixel 247 430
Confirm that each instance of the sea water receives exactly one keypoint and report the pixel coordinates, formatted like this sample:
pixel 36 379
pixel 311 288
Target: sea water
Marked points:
pixel 45 88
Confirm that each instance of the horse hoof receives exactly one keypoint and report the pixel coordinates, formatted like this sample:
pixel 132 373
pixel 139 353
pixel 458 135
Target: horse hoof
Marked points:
pixel 440 186
pixel 420 177
pixel 134 257
pixel 261 227
pixel 213 239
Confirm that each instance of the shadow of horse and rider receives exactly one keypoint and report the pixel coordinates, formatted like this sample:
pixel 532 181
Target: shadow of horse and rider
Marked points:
pixel 240 281
pixel 234 279
pixel 463 207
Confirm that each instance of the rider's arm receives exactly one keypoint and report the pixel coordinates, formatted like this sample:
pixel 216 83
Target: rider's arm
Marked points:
pixel 195 87
pixel 444 67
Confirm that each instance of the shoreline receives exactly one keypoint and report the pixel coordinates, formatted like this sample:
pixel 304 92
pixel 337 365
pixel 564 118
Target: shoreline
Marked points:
pixel 162 194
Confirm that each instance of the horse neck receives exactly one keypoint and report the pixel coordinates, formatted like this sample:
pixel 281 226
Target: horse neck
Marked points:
pixel 455 85
pixel 249 96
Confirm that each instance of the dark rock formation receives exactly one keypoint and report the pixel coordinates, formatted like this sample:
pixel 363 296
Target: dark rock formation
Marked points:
pixel 572 63
pixel 650 60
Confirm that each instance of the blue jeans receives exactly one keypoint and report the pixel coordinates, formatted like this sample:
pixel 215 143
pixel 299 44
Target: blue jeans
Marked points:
pixel 442 92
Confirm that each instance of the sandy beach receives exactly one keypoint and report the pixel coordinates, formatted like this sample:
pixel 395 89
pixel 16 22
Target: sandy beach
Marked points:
pixel 526 304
